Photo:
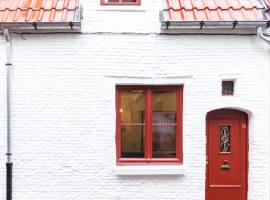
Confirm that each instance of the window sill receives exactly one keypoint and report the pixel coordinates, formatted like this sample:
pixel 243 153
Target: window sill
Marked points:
pixel 120 8
pixel 150 170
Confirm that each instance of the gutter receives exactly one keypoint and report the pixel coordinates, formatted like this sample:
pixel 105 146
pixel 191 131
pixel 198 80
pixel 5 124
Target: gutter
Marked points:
pixel 43 27
pixel 9 163
pixel 213 24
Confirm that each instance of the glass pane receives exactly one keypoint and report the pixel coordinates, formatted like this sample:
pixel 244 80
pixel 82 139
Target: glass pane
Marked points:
pixel 132 141
pixel 164 141
pixel 132 107
pixel 227 87
pixel 164 118
pixel 225 139
pixel 164 101
pixel 130 1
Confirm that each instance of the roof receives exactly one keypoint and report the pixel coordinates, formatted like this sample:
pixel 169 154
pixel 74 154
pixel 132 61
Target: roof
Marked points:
pixel 46 13
pixel 218 11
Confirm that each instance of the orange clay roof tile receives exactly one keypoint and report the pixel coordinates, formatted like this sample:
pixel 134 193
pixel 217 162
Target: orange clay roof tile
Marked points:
pixel 38 10
pixel 214 10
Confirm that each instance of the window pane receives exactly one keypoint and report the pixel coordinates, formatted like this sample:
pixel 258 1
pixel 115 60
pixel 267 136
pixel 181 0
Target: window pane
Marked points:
pixel 119 1
pixel 164 101
pixel 227 87
pixel 164 124
pixel 132 107
pixel 129 1
pixel 225 139
pixel 164 141
pixel 164 118
pixel 132 141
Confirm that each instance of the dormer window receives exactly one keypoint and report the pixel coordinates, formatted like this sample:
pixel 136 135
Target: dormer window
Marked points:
pixel 121 2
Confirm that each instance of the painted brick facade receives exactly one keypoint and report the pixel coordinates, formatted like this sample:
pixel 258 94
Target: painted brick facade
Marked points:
pixel 64 105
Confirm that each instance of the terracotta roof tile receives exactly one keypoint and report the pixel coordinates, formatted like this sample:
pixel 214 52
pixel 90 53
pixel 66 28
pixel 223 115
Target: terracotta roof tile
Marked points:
pixel 38 10
pixel 214 10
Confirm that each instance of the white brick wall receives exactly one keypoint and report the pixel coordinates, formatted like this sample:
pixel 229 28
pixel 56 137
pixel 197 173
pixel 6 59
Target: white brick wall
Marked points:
pixel 144 19
pixel 64 113
pixel 64 105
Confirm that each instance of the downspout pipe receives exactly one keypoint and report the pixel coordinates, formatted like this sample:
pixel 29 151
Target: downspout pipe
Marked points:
pixel 9 163
pixel 262 36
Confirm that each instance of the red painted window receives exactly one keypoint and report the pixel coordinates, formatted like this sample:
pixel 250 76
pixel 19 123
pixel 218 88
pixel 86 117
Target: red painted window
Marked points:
pixel 121 2
pixel 149 124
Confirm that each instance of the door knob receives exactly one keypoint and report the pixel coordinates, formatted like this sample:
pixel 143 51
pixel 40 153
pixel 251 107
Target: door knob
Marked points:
pixel 225 165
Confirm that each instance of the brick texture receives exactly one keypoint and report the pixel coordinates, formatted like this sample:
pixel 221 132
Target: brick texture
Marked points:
pixel 64 106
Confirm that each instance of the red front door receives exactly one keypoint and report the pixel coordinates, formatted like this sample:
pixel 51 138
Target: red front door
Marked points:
pixel 227 163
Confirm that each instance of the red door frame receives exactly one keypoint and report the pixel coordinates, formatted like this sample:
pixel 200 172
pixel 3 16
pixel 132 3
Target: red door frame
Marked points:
pixel 227 114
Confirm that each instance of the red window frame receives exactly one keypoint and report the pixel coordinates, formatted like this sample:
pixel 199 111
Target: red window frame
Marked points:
pixel 120 3
pixel 148 127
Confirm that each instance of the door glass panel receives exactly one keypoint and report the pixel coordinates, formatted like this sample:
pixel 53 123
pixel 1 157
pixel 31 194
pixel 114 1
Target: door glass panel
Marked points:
pixel 132 141
pixel 225 139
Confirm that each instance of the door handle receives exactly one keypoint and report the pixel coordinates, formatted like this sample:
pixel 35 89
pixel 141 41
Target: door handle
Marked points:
pixel 225 165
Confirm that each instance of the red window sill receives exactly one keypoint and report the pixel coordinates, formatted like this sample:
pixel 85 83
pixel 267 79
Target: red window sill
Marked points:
pixel 143 161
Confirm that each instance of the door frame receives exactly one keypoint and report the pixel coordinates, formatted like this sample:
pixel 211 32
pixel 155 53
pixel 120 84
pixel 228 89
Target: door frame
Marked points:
pixel 225 113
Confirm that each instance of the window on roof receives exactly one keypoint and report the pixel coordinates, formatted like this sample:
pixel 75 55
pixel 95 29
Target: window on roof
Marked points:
pixel 149 124
pixel 121 2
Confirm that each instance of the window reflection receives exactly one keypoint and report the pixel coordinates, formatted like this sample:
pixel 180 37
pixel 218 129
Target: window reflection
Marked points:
pixel 132 124
pixel 164 101
pixel 132 107
pixel 164 124
pixel 132 141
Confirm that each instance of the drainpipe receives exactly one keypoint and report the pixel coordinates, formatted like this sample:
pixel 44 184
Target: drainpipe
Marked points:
pixel 9 163
pixel 264 37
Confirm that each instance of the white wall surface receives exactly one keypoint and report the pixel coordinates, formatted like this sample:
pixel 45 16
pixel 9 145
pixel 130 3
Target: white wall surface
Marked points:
pixel 64 110
pixel 64 104
pixel 119 19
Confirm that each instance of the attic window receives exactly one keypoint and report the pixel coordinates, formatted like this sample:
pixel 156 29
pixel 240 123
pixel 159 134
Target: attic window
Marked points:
pixel 121 2
pixel 227 88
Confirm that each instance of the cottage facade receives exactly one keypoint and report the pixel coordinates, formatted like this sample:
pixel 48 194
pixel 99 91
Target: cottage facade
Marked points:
pixel 70 92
